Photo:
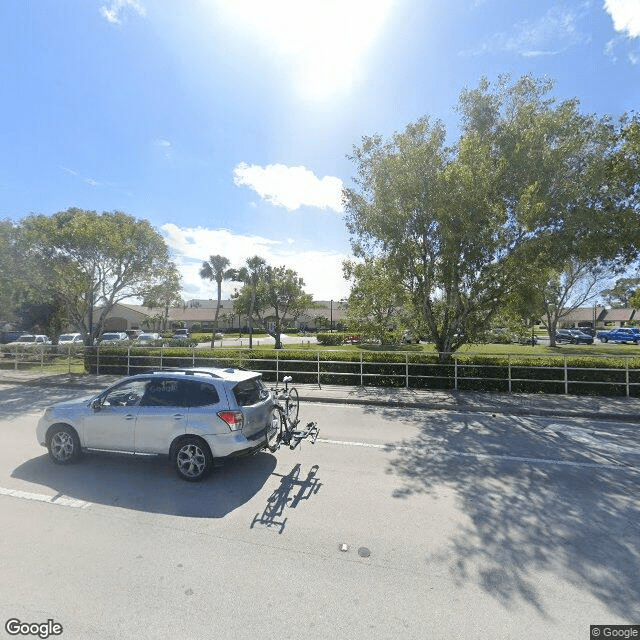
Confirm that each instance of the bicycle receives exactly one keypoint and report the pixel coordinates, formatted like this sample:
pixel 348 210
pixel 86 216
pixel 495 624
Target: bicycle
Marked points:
pixel 284 420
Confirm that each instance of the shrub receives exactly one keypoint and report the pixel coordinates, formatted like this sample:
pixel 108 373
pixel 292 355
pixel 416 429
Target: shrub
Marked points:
pixel 332 339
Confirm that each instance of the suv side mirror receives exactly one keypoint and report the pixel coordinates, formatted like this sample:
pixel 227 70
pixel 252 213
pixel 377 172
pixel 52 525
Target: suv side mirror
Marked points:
pixel 96 404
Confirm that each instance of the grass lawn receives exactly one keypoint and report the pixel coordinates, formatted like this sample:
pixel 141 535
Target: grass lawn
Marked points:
pixel 483 349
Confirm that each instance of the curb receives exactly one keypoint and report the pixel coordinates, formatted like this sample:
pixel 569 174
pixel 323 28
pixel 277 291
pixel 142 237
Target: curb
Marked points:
pixel 466 408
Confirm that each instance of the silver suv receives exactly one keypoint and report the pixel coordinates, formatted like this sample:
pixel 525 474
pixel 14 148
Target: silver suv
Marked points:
pixel 192 415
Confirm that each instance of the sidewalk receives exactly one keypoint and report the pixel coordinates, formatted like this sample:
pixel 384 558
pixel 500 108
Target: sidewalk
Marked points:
pixel 596 407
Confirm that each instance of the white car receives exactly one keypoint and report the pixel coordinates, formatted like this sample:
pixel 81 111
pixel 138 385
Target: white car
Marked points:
pixel 113 337
pixel 145 338
pixel 192 415
pixel 70 338
pixel 29 339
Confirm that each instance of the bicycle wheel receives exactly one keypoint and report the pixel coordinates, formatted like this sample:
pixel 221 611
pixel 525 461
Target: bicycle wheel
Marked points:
pixel 274 428
pixel 292 405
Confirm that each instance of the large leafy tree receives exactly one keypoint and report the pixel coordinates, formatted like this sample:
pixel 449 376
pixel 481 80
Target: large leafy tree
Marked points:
pixel 12 284
pixel 90 261
pixel 279 297
pixel 620 295
pixel 166 293
pixel 568 289
pixel 528 180
pixel 376 302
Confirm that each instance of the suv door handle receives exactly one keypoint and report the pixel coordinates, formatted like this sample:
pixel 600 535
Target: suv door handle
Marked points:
pixel 178 416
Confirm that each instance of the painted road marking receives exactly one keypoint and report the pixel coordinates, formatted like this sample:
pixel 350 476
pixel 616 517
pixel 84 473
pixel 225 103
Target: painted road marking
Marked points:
pixel 479 456
pixel 60 499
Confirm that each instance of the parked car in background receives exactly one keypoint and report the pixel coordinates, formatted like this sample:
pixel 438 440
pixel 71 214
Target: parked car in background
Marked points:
pixel 113 337
pixel 7 337
pixel 70 338
pixel 148 338
pixel 573 336
pixel 192 415
pixel 30 339
pixel 621 334
pixel 181 334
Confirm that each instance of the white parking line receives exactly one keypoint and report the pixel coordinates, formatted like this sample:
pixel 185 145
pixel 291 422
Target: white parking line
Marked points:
pixel 65 501
pixel 479 456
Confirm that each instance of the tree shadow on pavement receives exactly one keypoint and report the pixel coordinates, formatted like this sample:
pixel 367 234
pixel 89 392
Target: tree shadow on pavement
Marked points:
pixel 17 400
pixel 534 505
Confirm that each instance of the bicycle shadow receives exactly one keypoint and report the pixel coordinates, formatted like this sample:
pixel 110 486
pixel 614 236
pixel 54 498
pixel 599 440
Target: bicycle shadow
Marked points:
pixel 282 497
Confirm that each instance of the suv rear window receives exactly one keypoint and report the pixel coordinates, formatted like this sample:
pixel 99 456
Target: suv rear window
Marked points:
pixel 249 392
pixel 165 392
pixel 199 394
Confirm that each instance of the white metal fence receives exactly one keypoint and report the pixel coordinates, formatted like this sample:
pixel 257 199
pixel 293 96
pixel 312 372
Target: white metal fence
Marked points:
pixel 618 375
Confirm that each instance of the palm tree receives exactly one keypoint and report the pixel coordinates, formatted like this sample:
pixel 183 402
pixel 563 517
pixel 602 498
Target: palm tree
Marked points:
pixel 216 269
pixel 249 275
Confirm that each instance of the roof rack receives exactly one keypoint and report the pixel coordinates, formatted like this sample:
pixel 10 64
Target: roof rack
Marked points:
pixel 187 372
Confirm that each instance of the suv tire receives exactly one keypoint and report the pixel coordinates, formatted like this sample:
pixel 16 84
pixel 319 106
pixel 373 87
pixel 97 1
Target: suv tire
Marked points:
pixel 191 458
pixel 63 444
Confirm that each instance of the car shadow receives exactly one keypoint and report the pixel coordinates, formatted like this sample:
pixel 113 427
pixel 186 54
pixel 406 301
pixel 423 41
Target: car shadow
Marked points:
pixel 540 504
pixel 149 484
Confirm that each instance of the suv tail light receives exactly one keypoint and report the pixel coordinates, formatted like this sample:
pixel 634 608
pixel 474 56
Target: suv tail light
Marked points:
pixel 235 419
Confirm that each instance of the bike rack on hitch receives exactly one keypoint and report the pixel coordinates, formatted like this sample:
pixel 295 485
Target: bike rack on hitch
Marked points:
pixel 310 431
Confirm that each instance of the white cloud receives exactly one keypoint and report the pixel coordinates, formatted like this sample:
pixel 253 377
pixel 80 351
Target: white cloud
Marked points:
pixel 165 146
pixel 290 187
pixel 113 12
pixel 320 270
pixel 625 15
pixel 550 34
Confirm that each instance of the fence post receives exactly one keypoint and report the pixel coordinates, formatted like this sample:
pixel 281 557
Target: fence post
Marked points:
pixel 509 363
pixel 361 371
pixel 626 366
pixel 406 370
pixel 161 355
pixel 455 369
pixel 318 357
pixel 277 367
pixel 128 360
pixel 98 360
pixel 566 376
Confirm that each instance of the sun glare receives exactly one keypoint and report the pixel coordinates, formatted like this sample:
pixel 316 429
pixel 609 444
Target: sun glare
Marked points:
pixel 323 43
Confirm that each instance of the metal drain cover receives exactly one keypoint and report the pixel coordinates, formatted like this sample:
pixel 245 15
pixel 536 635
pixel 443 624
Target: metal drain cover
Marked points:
pixel 363 552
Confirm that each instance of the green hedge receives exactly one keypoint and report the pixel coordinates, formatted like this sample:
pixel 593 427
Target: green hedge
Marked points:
pixel 474 372
pixel 332 339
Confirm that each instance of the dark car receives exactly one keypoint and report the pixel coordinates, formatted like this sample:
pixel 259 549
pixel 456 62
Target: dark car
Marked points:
pixel 573 336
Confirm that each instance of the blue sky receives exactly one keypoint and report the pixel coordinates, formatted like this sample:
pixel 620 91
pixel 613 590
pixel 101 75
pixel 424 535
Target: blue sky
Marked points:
pixel 227 123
